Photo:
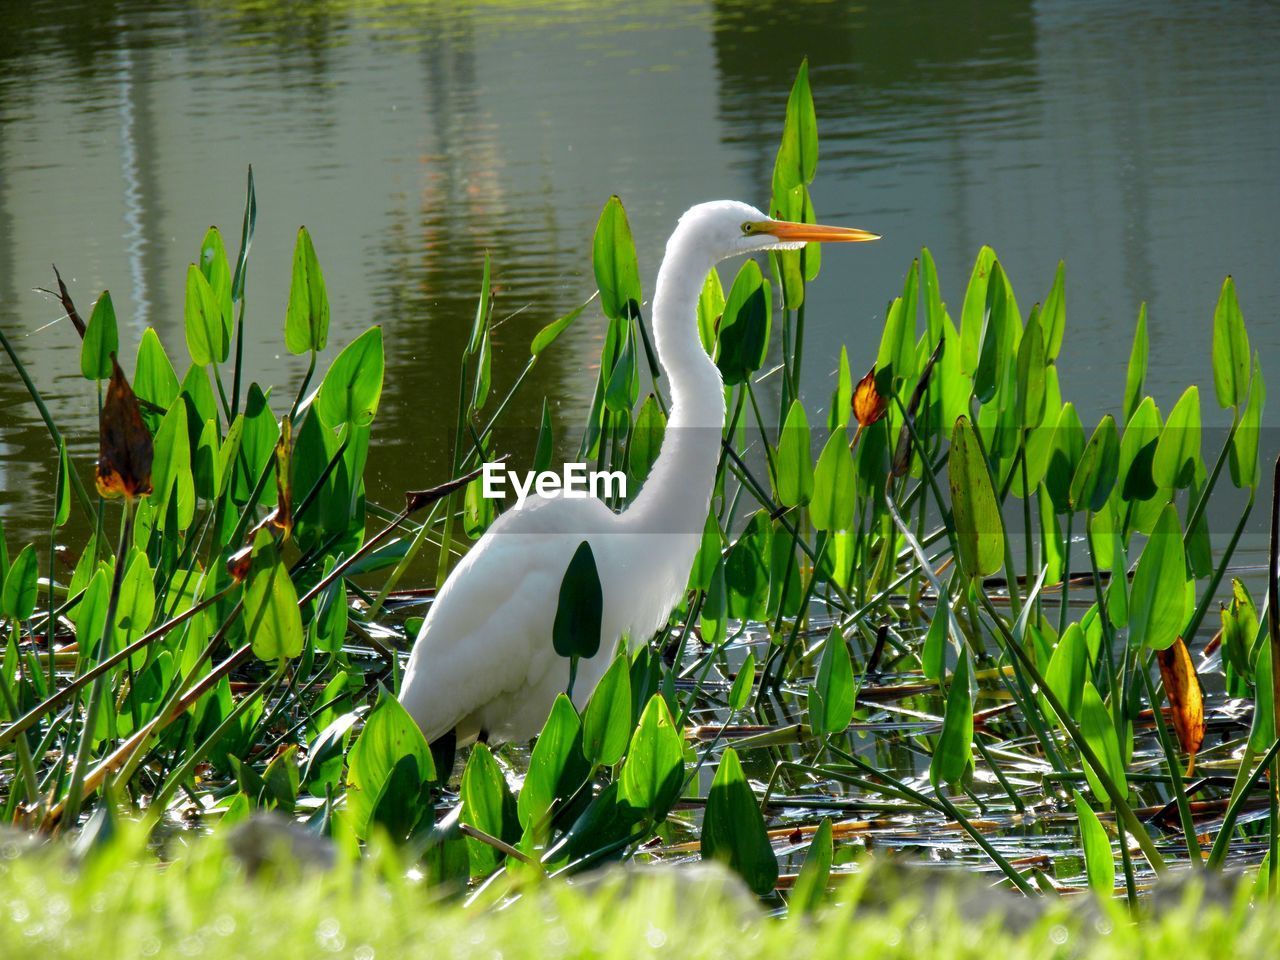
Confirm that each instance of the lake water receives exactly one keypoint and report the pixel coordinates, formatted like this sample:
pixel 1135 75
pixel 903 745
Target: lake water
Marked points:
pixel 1139 142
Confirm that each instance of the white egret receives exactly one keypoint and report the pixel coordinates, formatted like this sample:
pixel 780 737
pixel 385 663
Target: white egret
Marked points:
pixel 483 664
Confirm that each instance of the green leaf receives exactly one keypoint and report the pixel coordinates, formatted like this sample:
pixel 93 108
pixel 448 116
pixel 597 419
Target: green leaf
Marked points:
pixel 1178 452
pixel 306 319
pixel 1157 601
pixel 654 770
pixel 795 468
pixel 747 567
pixel 487 805
pixel 546 441
pixel 271 615
pixel 1032 361
pixel 999 333
pixel 973 314
pixel 833 693
pixel 1100 733
pixel 933 655
pixel 1068 670
pixel 842 397
pixel 979 527
pixel 1099 861
pixel 1095 474
pixel 714 616
pixel 91 614
pixel 353 386
pixel 1244 445
pixel 21 583
pixel 390 740
pixel 481 322
pixel 644 444
pixel 101 340
pixel 896 358
pixel 708 556
pixel 1136 377
pixel 733 830
pixel 797 159
pixel 548 334
pixel 613 257
pixel 1137 451
pixel 1064 457
pixel 576 632
pixel 953 755
pixel 247 225
pixel 557 767
pixel 484 367
pixel 834 491
pixel 154 379
pixel 740 692
pixel 208 336
pixel 810 889
pixel 1231 356
pixel 710 309
pixel 62 487
pixel 606 726
pixel 1053 316
pixel 171 479
pixel 744 326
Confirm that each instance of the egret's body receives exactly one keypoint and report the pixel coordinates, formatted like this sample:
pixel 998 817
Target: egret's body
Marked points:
pixel 484 661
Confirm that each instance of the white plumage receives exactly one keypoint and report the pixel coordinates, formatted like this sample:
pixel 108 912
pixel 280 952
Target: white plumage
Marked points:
pixel 483 660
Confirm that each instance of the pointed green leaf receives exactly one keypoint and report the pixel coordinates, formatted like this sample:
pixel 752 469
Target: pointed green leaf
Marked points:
pixel 1135 378
pixel 1178 452
pixel 833 694
pixel 613 257
pixel 953 755
pixel 271 616
pixel 353 386
pixel 795 468
pixel 979 527
pixel 606 726
pixel 576 632
pixel 654 770
pixel 101 340
pixel 306 319
pixel 1157 602
pixel 744 326
pixel 390 740
pixel 733 830
pixel 1099 861
pixel 834 492
pixel 1231 356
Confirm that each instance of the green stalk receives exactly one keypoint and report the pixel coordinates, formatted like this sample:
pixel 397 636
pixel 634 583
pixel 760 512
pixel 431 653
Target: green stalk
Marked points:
pixel 1118 800
pixel 75 791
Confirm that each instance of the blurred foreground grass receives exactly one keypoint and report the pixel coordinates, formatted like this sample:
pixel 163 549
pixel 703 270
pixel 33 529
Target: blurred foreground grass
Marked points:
pixel 118 900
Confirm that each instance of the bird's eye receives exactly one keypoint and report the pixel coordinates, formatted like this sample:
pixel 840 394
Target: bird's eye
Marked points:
pixel 748 228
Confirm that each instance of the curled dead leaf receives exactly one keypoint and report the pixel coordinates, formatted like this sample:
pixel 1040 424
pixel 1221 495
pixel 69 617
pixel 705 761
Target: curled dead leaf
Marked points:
pixel 1186 700
pixel 868 405
pixel 124 443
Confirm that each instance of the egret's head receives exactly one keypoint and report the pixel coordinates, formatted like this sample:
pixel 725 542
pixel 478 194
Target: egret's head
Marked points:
pixel 729 228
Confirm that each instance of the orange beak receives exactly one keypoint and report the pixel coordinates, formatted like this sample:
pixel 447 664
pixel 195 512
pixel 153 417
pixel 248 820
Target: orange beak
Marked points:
pixel 814 232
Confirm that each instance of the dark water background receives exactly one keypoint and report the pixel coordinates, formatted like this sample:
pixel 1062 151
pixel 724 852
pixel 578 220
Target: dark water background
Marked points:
pixel 1139 142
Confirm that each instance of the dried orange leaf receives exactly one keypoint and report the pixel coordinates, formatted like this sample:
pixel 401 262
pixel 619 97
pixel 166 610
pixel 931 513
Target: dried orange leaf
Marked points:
pixel 124 443
pixel 868 405
pixel 1186 701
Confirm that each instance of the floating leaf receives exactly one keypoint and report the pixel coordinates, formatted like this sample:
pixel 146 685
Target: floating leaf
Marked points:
pixel 733 831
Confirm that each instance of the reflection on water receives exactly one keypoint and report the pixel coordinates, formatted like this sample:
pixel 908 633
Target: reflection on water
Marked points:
pixel 1141 144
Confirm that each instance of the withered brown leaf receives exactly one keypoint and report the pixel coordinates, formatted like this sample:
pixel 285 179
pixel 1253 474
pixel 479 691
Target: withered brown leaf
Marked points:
pixel 1186 700
pixel 124 443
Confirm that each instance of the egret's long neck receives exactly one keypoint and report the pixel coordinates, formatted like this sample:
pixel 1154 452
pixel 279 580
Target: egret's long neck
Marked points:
pixel 676 494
